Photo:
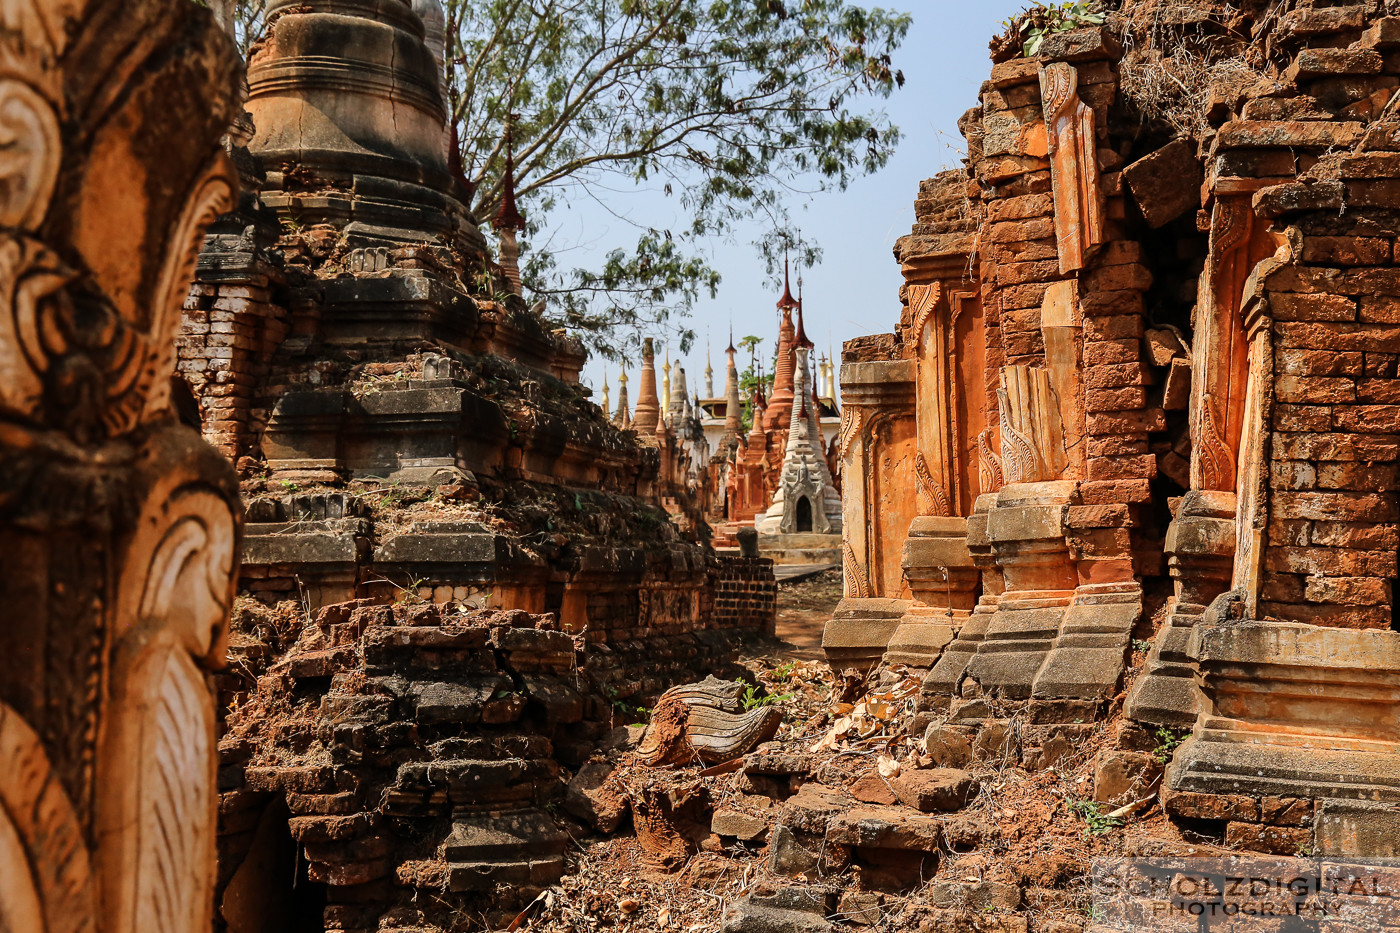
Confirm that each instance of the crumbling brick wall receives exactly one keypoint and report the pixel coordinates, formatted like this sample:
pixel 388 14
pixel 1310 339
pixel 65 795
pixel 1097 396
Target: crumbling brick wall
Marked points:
pixel 412 754
pixel 746 590
pixel 1176 232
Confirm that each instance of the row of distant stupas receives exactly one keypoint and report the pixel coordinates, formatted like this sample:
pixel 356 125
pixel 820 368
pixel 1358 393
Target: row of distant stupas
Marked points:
pixel 780 474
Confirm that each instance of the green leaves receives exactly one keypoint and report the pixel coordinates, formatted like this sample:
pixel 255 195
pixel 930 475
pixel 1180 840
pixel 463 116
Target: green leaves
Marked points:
pixel 730 106
pixel 1042 19
pixel 1096 821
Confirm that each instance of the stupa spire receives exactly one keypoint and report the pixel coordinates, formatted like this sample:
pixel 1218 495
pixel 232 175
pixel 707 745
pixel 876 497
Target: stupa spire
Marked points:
pixel 780 401
pixel 508 220
pixel 648 402
pixel 623 417
pixel 666 382
pixel 709 371
pixel 732 422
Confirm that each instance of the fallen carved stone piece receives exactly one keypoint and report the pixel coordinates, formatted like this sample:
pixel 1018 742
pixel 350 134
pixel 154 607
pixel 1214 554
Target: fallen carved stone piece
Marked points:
pixel 705 721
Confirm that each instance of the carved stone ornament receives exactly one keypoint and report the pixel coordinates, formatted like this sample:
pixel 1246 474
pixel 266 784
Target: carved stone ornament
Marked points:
pixel 1032 436
pixel 119 527
pixel 1074 166
pixel 1220 348
pixel 988 464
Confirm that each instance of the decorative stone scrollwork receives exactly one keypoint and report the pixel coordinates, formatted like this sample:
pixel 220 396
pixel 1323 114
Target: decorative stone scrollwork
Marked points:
pixel 851 418
pixel 45 875
pixel 857 583
pixel 120 527
pixel 990 475
pixel 923 301
pixel 933 497
pixel 1074 166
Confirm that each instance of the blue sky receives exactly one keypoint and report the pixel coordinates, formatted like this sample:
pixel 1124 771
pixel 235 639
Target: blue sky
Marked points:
pixel 855 290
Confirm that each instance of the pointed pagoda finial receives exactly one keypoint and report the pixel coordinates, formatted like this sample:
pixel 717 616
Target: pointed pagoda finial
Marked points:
pixel 801 340
pixel 508 220
pixel 666 382
pixel 606 390
pixel 787 302
pixel 732 421
pixel 623 417
pixel 709 371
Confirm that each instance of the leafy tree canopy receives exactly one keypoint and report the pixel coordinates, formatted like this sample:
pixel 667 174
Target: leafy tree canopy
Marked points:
pixel 728 106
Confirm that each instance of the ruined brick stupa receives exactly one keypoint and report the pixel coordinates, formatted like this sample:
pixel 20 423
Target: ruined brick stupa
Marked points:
pixel 410 433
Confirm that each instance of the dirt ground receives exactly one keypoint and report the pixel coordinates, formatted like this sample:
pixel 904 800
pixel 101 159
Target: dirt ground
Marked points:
pixel 1036 830
pixel 804 606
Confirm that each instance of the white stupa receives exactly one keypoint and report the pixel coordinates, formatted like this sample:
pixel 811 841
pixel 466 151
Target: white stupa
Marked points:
pixel 806 501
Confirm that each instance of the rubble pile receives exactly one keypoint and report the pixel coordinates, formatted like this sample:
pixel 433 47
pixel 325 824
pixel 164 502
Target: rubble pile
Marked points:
pixel 848 819
pixel 414 754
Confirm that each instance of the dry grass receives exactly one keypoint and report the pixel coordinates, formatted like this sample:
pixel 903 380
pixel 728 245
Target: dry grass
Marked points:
pixel 1180 56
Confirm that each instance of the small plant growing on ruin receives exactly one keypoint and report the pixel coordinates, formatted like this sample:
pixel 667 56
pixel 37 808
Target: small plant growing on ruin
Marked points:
pixel 1096 822
pixel 409 595
pixel 640 714
pixel 1031 26
pixel 1167 741
pixel 753 700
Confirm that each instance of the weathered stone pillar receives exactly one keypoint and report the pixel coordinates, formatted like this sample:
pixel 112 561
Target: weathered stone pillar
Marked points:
pixel 879 445
pixel 119 526
pixel 946 327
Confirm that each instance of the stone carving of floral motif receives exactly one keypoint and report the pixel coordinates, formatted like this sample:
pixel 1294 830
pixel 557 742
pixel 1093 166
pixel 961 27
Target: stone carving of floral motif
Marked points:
pixel 120 527
pixel 1074 166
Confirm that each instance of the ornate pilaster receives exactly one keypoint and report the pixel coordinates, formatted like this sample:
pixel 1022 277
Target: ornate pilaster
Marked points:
pixel 1074 166
pixel 878 444
pixel 1220 364
pixel 945 325
pixel 119 526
